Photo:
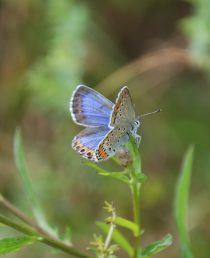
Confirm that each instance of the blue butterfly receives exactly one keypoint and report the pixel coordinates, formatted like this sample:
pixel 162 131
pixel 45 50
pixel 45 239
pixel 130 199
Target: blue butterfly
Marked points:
pixel 107 125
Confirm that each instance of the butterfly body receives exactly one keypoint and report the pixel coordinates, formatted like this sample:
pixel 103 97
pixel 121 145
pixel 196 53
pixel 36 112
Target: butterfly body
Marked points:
pixel 108 125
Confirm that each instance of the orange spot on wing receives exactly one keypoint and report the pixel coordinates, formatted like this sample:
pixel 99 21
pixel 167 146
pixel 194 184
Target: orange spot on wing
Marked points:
pixel 102 152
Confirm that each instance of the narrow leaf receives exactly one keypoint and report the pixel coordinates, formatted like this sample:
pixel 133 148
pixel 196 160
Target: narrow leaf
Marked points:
pixel 156 247
pixel 117 175
pixel 22 168
pixel 121 175
pixel 20 161
pixel 8 245
pixel 181 203
pixel 127 224
pixel 117 237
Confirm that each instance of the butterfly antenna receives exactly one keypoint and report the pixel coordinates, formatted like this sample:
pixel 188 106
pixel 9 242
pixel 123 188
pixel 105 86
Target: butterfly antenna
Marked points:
pixel 150 113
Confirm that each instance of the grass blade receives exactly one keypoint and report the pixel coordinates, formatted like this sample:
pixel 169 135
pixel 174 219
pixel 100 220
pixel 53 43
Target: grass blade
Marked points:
pixel 181 203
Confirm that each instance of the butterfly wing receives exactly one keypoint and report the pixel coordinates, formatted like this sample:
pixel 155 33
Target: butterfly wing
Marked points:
pixel 86 142
pixel 123 111
pixel 90 108
pixel 111 143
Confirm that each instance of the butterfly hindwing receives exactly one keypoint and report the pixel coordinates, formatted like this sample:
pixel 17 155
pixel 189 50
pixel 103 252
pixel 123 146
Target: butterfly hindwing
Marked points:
pixel 123 111
pixel 90 108
pixel 111 143
pixel 86 142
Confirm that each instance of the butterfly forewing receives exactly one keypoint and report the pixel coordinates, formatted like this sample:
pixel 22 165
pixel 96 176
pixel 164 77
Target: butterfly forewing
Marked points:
pixel 90 108
pixel 123 111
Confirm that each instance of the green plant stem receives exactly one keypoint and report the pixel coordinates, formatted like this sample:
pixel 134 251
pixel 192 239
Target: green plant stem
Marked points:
pixel 135 192
pixel 135 186
pixel 19 214
pixel 34 230
pixel 22 216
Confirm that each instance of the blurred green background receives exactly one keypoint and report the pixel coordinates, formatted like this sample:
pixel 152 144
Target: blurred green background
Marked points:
pixel 161 51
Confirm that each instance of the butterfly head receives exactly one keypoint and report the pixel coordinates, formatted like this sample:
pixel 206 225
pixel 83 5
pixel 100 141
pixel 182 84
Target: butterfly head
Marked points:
pixel 136 122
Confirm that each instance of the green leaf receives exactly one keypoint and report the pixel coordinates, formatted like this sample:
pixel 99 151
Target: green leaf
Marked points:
pixel 156 247
pixel 22 168
pixel 20 161
pixel 8 245
pixel 121 175
pixel 181 203
pixel 117 237
pixel 127 224
pixel 116 175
